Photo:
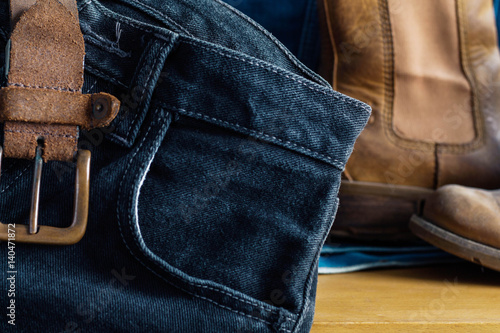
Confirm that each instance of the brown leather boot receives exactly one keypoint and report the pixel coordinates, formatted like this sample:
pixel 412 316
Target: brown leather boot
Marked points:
pixel 430 69
pixel 463 221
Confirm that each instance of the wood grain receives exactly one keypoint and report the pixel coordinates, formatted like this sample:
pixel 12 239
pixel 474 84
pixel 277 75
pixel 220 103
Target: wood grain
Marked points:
pixel 447 298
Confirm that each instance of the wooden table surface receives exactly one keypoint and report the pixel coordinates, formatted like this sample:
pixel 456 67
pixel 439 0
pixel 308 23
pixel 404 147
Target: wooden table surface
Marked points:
pixel 447 298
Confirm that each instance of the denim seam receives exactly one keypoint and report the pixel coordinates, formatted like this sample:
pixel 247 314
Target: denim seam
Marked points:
pixel 162 49
pixel 134 121
pixel 304 310
pixel 308 286
pixel 270 36
pixel 126 140
pixel 132 125
pixel 105 11
pixel 10 167
pixel 14 180
pixel 279 71
pixel 92 86
pixel 147 8
pixel 95 39
pixel 97 72
pixel 84 4
pixel 162 268
pixel 119 138
pixel 283 325
pixel 4 34
pixel 133 24
pixel 236 127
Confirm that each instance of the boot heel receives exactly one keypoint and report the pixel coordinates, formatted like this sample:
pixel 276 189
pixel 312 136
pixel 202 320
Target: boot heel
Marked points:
pixel 377 212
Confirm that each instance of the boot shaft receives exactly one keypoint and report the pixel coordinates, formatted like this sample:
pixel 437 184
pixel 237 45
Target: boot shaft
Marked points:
pixel 429 69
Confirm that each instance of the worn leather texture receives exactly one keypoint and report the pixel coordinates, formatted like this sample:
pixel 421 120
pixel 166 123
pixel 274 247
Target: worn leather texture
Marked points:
pixel 59 141
pixel 382 62
pixel 476 164
pixel 45 78
pixel 47 49
pixel 469 212
pixel 17 7
pixel 430 87
pixel 364 69
pixel 57 107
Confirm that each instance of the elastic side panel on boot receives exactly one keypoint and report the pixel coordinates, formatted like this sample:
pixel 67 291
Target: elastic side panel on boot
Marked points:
pixel 432 97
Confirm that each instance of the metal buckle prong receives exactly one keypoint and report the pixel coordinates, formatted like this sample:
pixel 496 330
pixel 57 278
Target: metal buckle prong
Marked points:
pixel 35 191
pixel 33 233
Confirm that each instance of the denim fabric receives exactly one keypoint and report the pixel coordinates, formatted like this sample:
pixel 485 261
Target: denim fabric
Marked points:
pixel 211 193
pixel 345 257
pixel 294 22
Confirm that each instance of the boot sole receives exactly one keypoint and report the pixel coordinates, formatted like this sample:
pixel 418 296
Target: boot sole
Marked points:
pixel 459 246
pixel 376 211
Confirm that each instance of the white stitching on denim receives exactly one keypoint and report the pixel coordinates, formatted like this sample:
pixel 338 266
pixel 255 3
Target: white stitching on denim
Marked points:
pixel 257 133
pixel 270 36
pixel 279 71
pixel 130 200
pixel 272 311
pixel 283 329
pixel 41 87
pixel 91 69
pixel 10 167
pixel 105 44
pixel 119 138
pixel 269 67
pixel 142 93
pixel 14 180
pixel 310 276
pixel 166 47
pixel 126 20
pixel 304 310
pixel 197 284
pixel 84 4
pixel 171 21
pixel 92 86
pixel 158 265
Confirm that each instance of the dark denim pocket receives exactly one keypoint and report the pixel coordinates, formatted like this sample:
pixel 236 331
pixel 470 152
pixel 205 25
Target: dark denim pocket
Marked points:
pixel 233 201
pixel 212 253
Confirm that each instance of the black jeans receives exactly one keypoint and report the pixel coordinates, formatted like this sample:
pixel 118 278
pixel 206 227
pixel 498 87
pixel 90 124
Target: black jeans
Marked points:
pixel 211 193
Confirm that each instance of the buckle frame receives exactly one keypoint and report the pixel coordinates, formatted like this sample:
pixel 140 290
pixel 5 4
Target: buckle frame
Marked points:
pixel 35 234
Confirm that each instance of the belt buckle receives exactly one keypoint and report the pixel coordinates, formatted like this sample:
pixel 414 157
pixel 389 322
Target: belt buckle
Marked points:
pixel 33 233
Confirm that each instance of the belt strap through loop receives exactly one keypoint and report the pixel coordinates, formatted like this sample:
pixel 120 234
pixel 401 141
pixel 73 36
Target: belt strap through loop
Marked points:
pixel 43 106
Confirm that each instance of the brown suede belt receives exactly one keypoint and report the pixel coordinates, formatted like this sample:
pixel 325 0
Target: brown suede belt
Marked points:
pixel 43 99
pixel 18 7
pixel 43 107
